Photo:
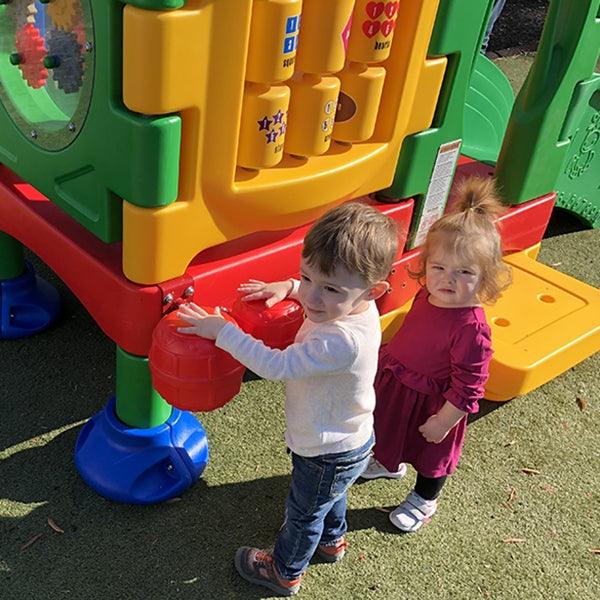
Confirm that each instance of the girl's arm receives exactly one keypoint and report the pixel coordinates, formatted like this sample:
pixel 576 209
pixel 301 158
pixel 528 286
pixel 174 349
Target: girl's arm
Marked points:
pixel 437 427
pixel 470 357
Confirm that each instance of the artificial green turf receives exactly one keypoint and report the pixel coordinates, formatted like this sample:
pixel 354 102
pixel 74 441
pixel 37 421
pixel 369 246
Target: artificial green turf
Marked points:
pixel 184 549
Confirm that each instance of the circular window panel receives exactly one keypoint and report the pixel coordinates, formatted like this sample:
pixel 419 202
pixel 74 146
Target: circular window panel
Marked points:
pixel 46 68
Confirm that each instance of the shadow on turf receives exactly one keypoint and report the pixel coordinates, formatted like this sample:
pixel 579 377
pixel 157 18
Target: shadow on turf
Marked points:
pixel 181 549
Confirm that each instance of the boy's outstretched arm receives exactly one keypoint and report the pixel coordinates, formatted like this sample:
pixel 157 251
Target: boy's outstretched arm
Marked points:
pixel 271 293
pixel 201 323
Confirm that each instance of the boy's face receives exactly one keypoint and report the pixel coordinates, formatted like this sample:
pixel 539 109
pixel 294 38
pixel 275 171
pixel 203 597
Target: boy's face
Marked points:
pixel 330 297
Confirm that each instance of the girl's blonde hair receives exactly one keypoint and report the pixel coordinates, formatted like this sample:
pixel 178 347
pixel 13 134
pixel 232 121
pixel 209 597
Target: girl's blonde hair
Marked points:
pixel 469 231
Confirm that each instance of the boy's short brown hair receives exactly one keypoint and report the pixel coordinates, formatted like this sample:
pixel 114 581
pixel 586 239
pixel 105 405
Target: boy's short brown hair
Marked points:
pixel 355 235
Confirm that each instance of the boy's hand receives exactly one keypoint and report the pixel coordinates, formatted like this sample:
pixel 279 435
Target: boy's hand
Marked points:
pixel 271 293
pixel 201 323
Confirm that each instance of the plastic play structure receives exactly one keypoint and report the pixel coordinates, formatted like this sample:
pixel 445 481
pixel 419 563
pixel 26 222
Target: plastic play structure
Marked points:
pixel 154 151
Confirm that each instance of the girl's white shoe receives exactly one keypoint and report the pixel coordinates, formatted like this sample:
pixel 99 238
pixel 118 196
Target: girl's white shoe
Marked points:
pixel 413 512
pixel 375 470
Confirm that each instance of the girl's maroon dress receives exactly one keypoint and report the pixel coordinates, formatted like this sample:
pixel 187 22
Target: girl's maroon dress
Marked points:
pixel 437 355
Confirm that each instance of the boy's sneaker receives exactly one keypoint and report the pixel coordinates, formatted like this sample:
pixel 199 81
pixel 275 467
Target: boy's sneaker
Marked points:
pixel 375 470
pixel 413 512
pixel 332 552
pixel 257 566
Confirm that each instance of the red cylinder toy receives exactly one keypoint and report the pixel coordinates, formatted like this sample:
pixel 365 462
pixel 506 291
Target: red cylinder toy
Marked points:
pixel 275 326
pixel 189 371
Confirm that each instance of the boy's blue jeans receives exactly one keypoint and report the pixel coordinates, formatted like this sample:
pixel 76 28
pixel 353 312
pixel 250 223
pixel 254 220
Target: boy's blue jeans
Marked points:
pixel 315 511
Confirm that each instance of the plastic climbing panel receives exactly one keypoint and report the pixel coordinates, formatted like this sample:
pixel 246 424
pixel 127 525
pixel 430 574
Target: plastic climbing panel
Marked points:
pixel 578 185
pixel 263 146
pixel 541 134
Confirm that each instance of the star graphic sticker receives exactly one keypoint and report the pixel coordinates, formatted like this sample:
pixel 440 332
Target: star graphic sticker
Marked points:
pixel 271 137
pixel 264 124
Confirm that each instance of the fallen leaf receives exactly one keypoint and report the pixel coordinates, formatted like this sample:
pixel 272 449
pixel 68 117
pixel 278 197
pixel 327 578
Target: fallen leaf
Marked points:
pixel 511 495
pixel 511 443
pixel 514 540
pixel 530 471
pixel 581 402
pixel 594 550
pixel 54 526
pixel 381 509
pixel 34 539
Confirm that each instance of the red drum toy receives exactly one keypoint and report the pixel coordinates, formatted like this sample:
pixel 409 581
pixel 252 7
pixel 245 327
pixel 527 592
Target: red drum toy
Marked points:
pixel 189 371
pixel 275 326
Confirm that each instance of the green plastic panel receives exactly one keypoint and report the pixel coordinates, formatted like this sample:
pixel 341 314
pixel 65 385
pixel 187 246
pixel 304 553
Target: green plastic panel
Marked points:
pixel 157 4
pixel 490 99
pixel 12 257
pixel 79 145
pixel 578 184
pixel 536 144
pixel 457 34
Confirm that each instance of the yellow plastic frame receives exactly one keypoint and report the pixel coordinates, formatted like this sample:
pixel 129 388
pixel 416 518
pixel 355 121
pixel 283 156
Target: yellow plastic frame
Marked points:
pixel 191 61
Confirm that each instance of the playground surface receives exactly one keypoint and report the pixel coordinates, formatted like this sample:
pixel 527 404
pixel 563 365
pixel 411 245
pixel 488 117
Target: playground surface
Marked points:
pixel 519 520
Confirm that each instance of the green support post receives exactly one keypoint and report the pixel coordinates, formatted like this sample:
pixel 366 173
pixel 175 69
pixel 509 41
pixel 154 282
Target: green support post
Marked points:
pixel 12 257
pixel 138 404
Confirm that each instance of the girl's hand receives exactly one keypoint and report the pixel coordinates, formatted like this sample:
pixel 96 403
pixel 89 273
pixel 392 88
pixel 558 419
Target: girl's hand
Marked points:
pixel 271 293
pixel 201 323
pixel 434 430
pixel 437 427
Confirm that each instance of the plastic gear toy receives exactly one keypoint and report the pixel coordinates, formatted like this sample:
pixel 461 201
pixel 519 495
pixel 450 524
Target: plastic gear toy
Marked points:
pixel 30 48
pixel 64 47
pixel 65 14
pixel 22 12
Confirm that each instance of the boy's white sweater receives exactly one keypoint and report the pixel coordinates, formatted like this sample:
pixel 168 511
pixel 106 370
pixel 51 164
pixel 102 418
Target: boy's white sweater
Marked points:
pixel 329 372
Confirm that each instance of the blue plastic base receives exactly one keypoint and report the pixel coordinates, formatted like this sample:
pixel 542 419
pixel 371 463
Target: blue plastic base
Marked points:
pixel 28 304
pixel 141 466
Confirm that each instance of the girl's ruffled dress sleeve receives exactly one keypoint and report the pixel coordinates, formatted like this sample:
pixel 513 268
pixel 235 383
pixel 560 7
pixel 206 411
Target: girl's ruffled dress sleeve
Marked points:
pixel 471 353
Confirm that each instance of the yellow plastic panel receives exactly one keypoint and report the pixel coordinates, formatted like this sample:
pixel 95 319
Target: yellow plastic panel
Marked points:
pixel 193 61
pixel 430 85
pixel 545 323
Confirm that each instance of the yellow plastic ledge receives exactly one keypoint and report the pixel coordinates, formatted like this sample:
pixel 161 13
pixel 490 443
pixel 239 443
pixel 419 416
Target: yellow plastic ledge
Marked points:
pixel 545 323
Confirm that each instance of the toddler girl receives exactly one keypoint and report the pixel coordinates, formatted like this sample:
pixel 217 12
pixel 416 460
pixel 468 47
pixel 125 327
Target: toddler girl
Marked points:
pixel 432 373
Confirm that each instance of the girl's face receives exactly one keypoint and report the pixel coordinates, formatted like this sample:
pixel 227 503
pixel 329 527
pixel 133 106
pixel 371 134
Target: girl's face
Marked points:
pixel 451 282
pixel 330 297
